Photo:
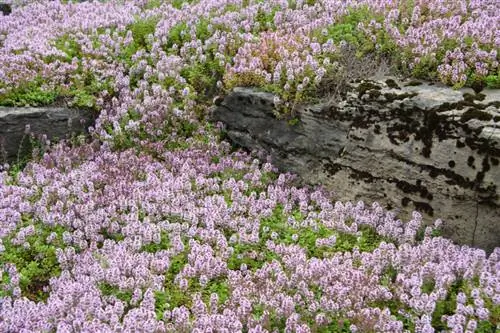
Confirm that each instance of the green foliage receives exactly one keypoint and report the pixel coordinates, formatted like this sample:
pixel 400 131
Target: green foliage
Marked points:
pixel 337 326
pixel 179 3
pixel 219 287
pixel 141 29
pixel 177 35
pixel 447 306
pixel 307 237
pixel 388 276
pixel 247 79
pixel 152 4
pixel 68 45
pixel 36 263
pixel 426 69
pixel 202 32
pixel 274 321
pixel 346 29
pixel 169 299
pixel 254 256
pixel 164 244
pixel 266 18
pixel 28 94
pixel 81 94
pixel 124 139
pixel 186 128
pixel 485 326
pixel 203 76
pixel 370 239
pixel 83 99
pixel 428 285
pixel 110 290
pixel 112 236
pixel 493 81
pixel 173 296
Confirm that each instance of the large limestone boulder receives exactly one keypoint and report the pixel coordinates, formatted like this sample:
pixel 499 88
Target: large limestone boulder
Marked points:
pixel 409 147
pixel 54 122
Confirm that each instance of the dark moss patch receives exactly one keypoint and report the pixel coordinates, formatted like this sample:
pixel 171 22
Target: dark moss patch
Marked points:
pixel 377 129
pixel 446 106
pixel 474 97
pixel 426 151
pixel 432 125
pixel 483 146
pixel 407 187
pixel 480 97
pixel 496 119
pixel 460 144
pixel 362 175
pixel 405 201
pixel 374 93
pixel 390 97
pixel 424 207
pixel 392 84
pixel 433 173
pixel 486 164
pixel 413 83
pixel 424 192
pixel 470 161
pixel 480 176
pixel 332 168
pixel 494 161
pixel 494 103
pixel 475 114
pixel 451 164
pixel 452 177
pixel 410 188
pixel 366 86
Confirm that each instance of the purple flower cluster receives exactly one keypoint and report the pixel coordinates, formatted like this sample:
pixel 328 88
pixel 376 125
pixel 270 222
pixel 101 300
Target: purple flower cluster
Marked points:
pixel 210 210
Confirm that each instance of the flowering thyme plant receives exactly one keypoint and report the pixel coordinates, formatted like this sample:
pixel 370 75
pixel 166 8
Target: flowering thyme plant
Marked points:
pixel 156 225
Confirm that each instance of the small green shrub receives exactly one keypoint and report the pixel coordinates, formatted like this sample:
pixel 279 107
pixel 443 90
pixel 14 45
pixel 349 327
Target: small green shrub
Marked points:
pixel 176 36
pixel 179 3
pixel 28 94
pixel 110 290
pixel 69 45
pixel 36 262
pixel 173 296
pixel 152 4
pixel 493 81
pixel 347 30
pixel 163 245
pixel 141 29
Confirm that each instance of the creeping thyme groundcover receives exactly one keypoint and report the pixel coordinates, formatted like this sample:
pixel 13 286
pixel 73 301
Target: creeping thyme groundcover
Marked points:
pixel 156 224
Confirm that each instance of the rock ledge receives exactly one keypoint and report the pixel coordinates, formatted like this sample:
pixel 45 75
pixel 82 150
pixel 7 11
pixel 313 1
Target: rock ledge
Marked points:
pixel 407 145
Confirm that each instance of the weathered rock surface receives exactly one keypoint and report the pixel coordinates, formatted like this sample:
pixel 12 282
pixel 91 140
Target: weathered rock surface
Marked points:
pixel 55 123
pixel 427 148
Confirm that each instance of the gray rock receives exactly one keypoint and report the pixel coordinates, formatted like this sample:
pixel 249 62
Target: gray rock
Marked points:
pixel 426 148
pixel 55 123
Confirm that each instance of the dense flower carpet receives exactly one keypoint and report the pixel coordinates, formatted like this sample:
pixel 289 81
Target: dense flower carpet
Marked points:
pixel 156 224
